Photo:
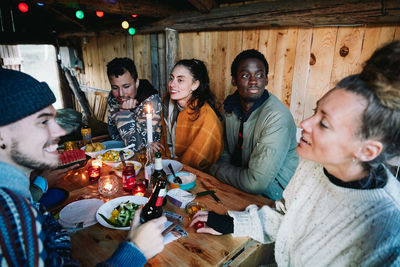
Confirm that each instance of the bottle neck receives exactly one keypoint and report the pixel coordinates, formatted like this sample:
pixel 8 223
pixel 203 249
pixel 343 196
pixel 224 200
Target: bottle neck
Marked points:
pixel 158 164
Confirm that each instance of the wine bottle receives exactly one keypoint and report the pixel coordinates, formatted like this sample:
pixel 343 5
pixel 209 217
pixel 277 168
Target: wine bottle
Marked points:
pixel 158 170
pixel 153 208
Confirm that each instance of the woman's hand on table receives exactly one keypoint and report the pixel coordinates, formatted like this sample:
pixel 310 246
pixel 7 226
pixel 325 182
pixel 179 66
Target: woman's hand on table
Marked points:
pixel 147 237
pixel 202 216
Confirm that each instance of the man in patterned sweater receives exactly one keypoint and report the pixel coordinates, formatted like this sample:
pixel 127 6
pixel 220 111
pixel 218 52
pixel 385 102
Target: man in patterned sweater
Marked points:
pixel 128 102
pixel 29 134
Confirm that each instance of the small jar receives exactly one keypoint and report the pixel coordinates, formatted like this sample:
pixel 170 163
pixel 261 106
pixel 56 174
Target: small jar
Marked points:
pixel 128 178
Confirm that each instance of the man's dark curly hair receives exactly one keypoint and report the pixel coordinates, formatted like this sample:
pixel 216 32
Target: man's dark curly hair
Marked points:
pixel 118 66
pixel 251 53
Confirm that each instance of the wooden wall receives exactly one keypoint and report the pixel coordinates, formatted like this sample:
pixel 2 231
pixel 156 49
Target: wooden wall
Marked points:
pixel 303 62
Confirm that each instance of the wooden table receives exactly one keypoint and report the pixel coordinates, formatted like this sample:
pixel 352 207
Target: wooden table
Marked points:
pixel 96 243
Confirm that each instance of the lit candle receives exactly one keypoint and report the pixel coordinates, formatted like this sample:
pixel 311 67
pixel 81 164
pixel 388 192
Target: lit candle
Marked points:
pixel 97 163
pixel 149 120
pixel 139 189
pixel 108 186
pixel 94 173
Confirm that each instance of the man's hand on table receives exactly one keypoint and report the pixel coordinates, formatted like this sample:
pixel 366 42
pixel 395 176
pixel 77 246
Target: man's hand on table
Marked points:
pixel 202 216
pixel 147 237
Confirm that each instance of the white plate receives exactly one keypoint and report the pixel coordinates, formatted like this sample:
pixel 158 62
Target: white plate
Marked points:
pixel 80 211
pixel 108 207
pixel 176 165
pixel 128 153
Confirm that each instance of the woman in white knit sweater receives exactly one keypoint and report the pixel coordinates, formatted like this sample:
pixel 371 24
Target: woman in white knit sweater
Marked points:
pixel 342 207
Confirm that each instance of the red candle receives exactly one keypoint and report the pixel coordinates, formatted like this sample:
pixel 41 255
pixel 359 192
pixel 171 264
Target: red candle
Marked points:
pixel 139 189
pixel 94 173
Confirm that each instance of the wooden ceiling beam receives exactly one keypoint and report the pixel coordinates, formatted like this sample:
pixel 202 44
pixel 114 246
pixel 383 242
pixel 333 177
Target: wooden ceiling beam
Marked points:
pixel 284 13
pixel 123 7
pixel 203 6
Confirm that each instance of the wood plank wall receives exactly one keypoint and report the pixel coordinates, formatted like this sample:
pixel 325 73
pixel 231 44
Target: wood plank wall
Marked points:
pixel 304 63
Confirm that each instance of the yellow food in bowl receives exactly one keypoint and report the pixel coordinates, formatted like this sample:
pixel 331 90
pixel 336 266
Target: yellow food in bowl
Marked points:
pixel 94 147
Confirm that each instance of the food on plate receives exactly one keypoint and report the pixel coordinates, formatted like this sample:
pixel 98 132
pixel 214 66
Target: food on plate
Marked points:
pixel 94 147
pixel 113 155
pixel 193 207
pixel 120 167
pixel 122 215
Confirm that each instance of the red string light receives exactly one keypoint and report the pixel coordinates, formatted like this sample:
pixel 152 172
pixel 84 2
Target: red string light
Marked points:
pixel 134 15
pixel 23 7
pixel 100 14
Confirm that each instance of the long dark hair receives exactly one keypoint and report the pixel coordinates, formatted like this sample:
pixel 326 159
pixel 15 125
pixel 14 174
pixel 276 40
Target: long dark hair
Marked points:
pixel 203 93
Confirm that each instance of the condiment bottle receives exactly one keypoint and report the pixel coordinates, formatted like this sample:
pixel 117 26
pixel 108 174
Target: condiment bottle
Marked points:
pixel 128 178
pixel 153 208
pixel 86 131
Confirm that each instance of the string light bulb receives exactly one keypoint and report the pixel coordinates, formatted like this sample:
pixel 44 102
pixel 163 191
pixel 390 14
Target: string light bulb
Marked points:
pixel 131 31
pixel 99 13
pixel 23 7
pixel 134 16
pixel 79 14
pixel 125 24
pixel 40 4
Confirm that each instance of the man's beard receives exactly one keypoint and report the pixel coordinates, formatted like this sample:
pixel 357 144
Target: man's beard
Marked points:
pixel 26 161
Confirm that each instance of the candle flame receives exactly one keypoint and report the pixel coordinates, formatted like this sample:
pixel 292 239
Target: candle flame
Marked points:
pixel 148 108
pixel 108 186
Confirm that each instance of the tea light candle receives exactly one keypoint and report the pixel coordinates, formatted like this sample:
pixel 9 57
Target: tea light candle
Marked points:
pixel 108 185
pixel 94 173
pixel 149 121
pixel 139 189
pixel 97 163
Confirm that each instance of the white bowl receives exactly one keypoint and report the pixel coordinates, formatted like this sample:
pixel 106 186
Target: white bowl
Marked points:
pixel 117 167
pixel 112 144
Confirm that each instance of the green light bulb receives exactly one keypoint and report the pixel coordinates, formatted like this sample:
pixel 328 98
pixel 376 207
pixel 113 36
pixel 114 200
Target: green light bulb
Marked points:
pixel 131 31
pixel 79 14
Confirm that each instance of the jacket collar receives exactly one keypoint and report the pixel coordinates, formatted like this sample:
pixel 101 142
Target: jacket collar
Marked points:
pixel 232 104
pixel 14 179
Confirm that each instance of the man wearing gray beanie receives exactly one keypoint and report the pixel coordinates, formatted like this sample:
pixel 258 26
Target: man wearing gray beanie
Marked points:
pixel 29 236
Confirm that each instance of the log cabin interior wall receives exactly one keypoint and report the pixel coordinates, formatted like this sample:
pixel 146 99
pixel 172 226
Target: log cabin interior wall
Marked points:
pixel 303 62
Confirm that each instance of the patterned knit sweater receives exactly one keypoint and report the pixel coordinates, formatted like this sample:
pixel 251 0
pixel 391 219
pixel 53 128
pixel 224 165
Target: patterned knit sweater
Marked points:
pixel 130 125
pixel 30 236
pixel 320 224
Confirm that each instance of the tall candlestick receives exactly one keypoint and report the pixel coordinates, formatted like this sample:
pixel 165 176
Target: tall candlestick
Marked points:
pixel 149 120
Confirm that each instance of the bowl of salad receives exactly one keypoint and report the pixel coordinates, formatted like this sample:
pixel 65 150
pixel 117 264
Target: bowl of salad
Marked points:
pixel 118 213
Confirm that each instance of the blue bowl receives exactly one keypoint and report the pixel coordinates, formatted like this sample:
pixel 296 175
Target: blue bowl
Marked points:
pixel 188 180
pixel 113 144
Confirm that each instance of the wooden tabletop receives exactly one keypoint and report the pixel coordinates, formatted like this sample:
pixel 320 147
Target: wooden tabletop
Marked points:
pixel 97 243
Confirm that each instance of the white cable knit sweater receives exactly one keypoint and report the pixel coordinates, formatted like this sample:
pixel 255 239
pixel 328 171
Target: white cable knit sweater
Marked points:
pixel 320 224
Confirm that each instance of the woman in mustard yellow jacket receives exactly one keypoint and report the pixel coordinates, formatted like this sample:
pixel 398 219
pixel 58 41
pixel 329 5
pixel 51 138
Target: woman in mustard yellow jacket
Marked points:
pixel 192 130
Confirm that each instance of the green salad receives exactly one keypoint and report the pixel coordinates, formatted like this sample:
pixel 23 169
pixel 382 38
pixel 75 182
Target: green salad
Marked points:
pixel 122 215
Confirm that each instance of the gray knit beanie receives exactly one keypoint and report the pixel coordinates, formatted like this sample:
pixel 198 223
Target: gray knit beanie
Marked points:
pixel 21 95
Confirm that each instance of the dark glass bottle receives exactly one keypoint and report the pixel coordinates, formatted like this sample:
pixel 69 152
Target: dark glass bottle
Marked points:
pixel 158 170
pixel 153 208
